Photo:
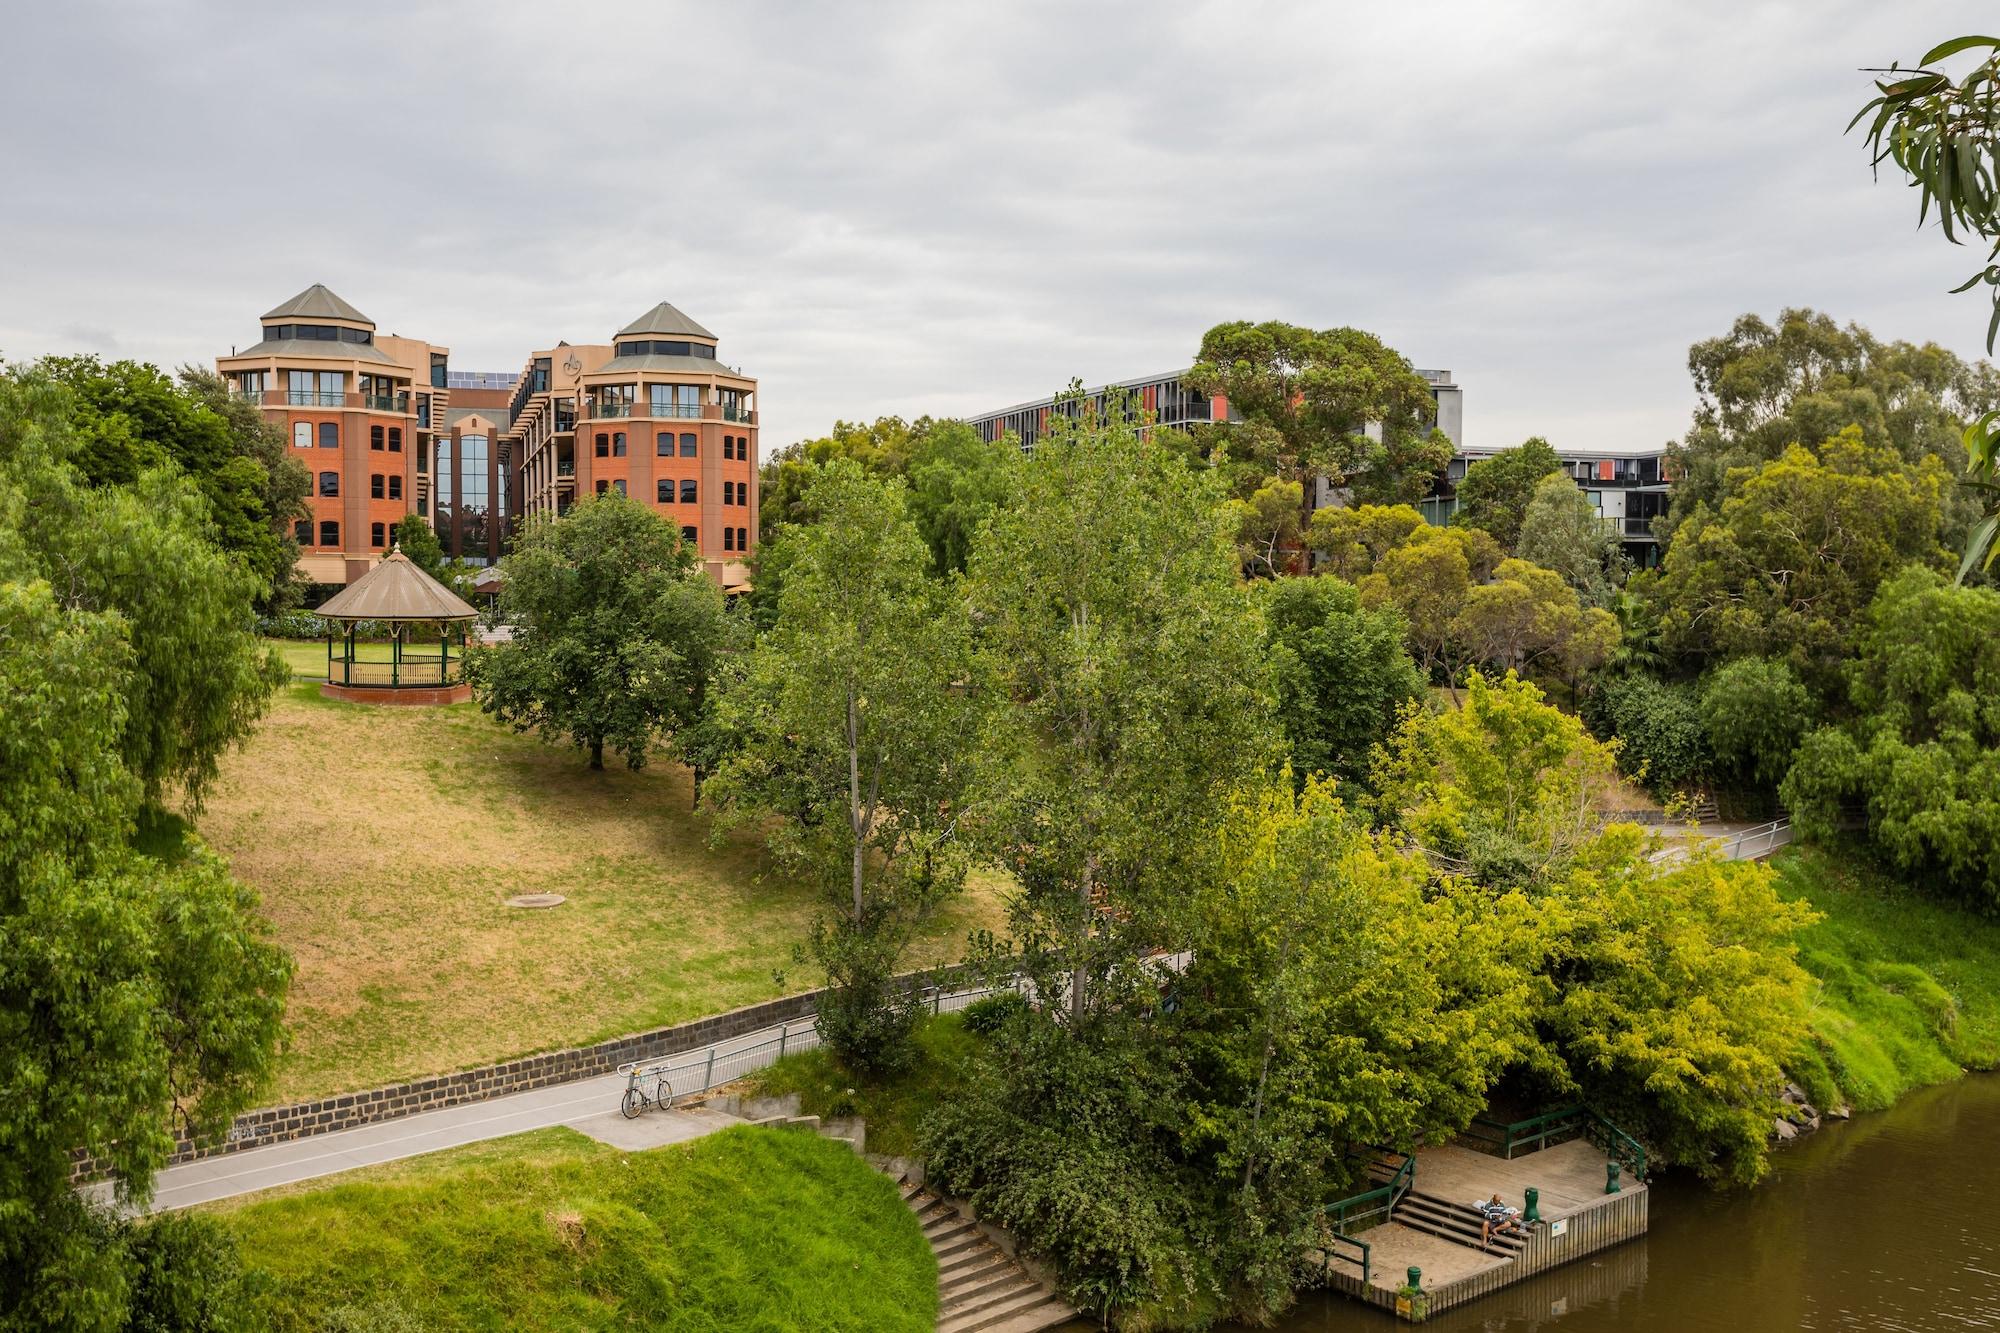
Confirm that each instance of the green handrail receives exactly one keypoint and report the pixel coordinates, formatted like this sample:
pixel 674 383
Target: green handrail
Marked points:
pixel 1620 1146
pixel 1559 1126
pixel 1326 1264
pixel 1382 1199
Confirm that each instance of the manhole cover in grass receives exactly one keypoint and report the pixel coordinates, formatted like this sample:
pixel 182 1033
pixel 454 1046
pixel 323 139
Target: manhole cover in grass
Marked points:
pixel 536 900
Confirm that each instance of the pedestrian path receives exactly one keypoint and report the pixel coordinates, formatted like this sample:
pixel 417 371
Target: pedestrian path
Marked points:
pixel 590 1106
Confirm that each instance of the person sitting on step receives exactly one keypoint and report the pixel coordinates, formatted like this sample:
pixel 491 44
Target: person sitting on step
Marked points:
pixel 1497 1219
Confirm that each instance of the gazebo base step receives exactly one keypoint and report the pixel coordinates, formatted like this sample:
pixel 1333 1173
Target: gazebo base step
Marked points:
pixel 409 694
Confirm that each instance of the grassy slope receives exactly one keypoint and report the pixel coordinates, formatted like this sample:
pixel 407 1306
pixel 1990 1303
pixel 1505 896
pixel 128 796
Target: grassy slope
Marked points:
pixel 893 1105
pixel 385 840
pixel 746 1230
pixel 1907 988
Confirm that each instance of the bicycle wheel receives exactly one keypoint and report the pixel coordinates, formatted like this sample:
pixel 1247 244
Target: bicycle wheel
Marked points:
pixel 663 1094
pixel 635 1102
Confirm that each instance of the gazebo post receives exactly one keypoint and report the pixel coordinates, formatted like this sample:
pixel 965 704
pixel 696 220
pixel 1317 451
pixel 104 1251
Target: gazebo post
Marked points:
pixel 395 656
pixel 347 671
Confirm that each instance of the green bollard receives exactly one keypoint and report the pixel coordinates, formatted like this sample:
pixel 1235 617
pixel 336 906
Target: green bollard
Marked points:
pixel 1533 1212
pixel 1611 1177
pixel 1415 1277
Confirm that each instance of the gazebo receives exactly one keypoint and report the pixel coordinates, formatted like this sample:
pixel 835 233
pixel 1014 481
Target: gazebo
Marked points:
pixel 401 596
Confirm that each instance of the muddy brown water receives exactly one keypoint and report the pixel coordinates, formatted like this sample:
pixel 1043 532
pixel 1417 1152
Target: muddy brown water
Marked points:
pixel 1886 1222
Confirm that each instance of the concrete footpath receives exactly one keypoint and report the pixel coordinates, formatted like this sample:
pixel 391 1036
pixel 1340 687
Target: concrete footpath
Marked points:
pixel 589 1106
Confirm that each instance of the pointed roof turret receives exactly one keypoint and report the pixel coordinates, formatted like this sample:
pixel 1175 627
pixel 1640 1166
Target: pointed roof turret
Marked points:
pixel 318 302
pixel 664 319
pixel 396 590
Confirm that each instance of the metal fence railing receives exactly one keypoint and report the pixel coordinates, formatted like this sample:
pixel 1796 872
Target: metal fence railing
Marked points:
pixel 1748 845
pixel 692 1073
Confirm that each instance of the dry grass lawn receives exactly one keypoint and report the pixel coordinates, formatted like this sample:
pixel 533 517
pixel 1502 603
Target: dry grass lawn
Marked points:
pixel 384 842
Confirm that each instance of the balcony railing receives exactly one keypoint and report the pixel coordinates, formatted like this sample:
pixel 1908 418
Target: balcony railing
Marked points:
pixel 386 402
pixel 606 411
pixel 691 410
pixel 565 469
pixel 398 403
pixel 733 413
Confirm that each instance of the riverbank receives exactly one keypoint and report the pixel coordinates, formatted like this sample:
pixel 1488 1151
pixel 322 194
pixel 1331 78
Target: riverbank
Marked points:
pixel 1906 987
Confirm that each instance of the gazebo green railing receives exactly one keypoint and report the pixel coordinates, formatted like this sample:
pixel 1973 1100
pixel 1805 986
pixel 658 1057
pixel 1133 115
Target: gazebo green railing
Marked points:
pixel 411 664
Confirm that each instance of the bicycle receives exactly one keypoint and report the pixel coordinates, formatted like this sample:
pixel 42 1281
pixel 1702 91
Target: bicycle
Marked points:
pixel 636 1097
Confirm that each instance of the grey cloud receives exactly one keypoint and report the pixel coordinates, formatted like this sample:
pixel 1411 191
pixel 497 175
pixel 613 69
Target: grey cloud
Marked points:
pixel 941 208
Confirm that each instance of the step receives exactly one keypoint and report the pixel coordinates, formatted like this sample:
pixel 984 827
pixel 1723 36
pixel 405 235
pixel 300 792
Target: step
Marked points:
pixel 944 1233
pixel 931 1210
pixel 1000 1312
pixel 991 1290
pixel 1047 1315
pixel 909 1189
pixel 968 1264
pixel 959 1242
pixel 1455 1230
pixel 1472 1227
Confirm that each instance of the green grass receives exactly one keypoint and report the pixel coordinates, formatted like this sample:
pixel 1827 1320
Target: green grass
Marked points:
pixel 307 657
pixel 384 842
pixel 893 1106
pixel 1906 988
pixel 751 1229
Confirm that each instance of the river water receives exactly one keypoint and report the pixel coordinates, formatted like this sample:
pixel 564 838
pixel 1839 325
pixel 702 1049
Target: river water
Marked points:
pixel 1888 1221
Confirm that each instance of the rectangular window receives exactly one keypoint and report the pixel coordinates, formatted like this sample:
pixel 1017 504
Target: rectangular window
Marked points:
pixel 729 492
pixel 619 485
pixel 689 534
pixel 395 487
pixel 332 388
pixel 665 489
pixel 302 434
pixel 395 439
pixel 329 483
pixel 423 461
pixel 423 506
pixel 378 533
pixel 729 539
pixel 329 532
pixel 376 437
pixel 329 434
pixel 664 446
pixel 618 444
pixel 728 447
pixel 377 486
pixel 688 445
pixel 742 539
pixel 302 388
pixel 603 486
pixel 603 445
pixel 302 532
pixel 687 490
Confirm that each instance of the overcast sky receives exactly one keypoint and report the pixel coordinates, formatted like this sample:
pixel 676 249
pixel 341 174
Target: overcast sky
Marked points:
pixel 945 208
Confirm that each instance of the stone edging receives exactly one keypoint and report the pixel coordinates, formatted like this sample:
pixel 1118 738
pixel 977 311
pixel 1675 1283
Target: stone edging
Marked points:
pixel 348 1110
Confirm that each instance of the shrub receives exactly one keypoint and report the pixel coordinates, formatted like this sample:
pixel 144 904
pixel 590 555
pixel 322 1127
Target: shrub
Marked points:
pixel 1756 711
pixel 986 1016
pixel 1664 742
pixel 184 1275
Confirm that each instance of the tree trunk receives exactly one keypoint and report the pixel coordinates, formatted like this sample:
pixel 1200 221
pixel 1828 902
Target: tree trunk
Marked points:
pixel 597 753
pixel 1080 973
pixel 855 827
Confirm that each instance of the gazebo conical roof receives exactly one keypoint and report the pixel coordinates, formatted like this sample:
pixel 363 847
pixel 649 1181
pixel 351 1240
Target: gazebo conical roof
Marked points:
pixel 397 590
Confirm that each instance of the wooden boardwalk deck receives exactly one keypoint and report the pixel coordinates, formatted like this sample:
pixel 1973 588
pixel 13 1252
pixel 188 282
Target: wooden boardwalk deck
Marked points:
pixel 1581 1219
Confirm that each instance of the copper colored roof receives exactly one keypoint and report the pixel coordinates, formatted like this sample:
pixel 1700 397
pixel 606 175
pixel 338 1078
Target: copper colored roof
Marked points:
pixel 396 590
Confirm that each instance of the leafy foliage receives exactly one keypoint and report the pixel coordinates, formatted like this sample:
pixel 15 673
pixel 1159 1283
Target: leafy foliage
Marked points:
pixel 1756 711
pixel 1341 673
pixel 1528 618
pixel 617 631
pixel 1563 531
pixel 1495 492
pixel 849 721
pixel 1921 756
pixel 1663 740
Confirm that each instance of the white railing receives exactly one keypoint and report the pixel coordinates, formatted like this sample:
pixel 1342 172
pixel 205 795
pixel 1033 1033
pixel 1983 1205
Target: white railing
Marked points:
pixel 1749 845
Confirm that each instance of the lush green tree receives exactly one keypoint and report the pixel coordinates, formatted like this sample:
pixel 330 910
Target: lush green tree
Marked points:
pixel 199 677
pixel 1350 540
pixel 1756 711
pixel 1334 1000
pixel 130 418
pixel 1268 526
pixel 1563 531
pixel 1331 402
pixel 1528 618
pixel 1495 492
pixel 1111 617
pixel 616 632
pixel 1503 788
pixel 852 718
pixel 138 1000
pixel 884 446
pixel 1765 387
pixel 1341 673
pixel 1663 740
pixel 1427 579
pixel 1786 565
pixel 957 481
pixel 1921 755
pixel 1677 999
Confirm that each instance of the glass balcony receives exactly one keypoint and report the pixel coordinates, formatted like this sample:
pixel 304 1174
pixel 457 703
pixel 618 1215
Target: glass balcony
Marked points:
pixel 731 412
pixel 607 410
pixel 306 397
pixel 565 469
pixel 386 402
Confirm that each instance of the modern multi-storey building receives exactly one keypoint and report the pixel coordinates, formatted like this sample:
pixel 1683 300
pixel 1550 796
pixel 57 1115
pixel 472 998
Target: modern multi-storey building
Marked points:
pixel 1628 488
pixel 654 415
pixel 386 429
pixel 1171 403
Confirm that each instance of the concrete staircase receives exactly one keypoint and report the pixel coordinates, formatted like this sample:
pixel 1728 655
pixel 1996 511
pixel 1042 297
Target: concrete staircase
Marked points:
pixel 981 1288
